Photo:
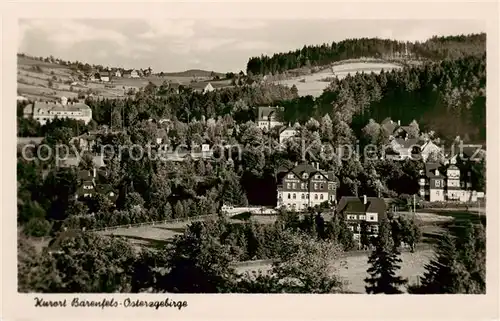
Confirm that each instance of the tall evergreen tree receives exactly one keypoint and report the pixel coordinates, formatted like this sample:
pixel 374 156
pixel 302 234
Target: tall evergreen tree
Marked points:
pixel 384 262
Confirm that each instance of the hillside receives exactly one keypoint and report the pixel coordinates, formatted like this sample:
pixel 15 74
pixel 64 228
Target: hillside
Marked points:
pixel 435 49
pixel 194 73
pixel 48 79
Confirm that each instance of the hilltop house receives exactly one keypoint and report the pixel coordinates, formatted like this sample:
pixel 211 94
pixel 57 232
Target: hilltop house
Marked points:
pixel 267 117
pixel 355 210
pixel 105 76
pixel 305 186
pixel 48 111
pixel 134 74
pixel 208 88
pixel 118 73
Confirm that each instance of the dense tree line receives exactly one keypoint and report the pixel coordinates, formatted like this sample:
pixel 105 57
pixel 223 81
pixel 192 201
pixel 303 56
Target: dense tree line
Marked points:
pixel 436 48
pixel 448 98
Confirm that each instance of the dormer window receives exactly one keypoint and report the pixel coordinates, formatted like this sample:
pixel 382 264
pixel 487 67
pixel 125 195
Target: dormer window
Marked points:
pixel 305 176
pixel 290 175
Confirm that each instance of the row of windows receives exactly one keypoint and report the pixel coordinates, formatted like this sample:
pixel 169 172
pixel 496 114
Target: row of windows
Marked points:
pixel 306 175
pixel 373 229
pixel 304 196
pixel 88 187
pixel 361 217
pixel 304 186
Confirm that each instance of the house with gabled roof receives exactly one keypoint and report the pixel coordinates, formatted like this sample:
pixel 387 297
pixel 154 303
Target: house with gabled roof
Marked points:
pixel 267 117
pixel 286 133
pixel 94 182
pixel 362 210
pixel 305 185
pixel 403 148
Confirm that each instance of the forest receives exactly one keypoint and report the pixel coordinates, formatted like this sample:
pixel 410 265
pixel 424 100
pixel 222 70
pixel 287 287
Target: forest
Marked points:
pixel 434 49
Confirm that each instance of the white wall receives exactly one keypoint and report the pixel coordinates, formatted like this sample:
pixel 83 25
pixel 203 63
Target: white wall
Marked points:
pixel 436 195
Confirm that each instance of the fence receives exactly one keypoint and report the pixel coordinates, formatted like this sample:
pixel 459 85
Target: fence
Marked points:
pixel 176 220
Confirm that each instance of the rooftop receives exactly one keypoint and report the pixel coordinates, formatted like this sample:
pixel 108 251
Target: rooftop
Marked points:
pixel 356 204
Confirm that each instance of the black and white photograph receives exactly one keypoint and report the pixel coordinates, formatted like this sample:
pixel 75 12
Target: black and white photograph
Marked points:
pixel 159 157
pixel 273 156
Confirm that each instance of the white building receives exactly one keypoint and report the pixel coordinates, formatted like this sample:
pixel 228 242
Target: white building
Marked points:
pixel 287 133
pixel 208 88
pixel 267 117
pixel 48 111
pixel 428 149
pixel 305 186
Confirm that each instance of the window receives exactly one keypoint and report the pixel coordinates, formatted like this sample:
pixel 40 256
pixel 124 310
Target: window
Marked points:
pixel 288 185
pixel 320 196
pixel 293 185
pixel 307 196
pixel 303 186
pixel 375 228
pixel 290 175
pixel 315 196
pixel 437 193
pixel 288 195
pixel 438 183
pixel 302 196
pixel 294 196
pixel 351 217
pixel 305 176
pixel 315 185
pixel 362 217
pixel 351 228
pixel 321 186
pixel 330 186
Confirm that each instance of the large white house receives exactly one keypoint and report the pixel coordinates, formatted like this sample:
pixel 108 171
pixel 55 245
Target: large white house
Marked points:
pixel 48 111
pixel 287 133
pixel 305 186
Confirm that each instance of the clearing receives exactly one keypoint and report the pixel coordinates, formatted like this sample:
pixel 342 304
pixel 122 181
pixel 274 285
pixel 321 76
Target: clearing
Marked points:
pixel 314 84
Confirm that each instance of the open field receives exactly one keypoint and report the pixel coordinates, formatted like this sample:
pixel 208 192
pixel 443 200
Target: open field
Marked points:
pixel 314 83
pixel 352 268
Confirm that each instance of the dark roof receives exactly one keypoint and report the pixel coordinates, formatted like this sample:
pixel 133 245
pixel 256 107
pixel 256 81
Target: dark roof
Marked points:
pixel 265 111
pixel 430 169
pixel 355 204
pixel 302 168
pixel 389 125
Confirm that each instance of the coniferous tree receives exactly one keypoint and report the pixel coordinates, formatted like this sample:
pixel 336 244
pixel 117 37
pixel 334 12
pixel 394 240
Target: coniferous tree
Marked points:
pixel 384 262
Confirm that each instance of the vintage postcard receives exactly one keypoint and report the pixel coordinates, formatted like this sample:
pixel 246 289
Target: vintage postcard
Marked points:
pixel 333 155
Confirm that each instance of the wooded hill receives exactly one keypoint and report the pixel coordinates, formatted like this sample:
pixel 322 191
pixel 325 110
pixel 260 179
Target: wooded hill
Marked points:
pixel 436 48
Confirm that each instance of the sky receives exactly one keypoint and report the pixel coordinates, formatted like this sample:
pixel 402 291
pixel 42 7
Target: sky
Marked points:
pixel 217 45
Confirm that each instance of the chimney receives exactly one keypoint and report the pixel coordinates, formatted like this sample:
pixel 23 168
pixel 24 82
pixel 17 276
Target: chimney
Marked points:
pixel 399 123
pixel 317 166
pixel 95 172
pixel 364 200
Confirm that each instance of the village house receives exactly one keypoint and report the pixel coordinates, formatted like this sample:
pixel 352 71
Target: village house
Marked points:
pixel 440 183
pixel 93 182
pixel 105 76
pixel 44 112
pixel 305 186
pixel 208 88
pixel 287 133
pixel 267 117
pixel 429 148
pixel 356 210
pixel 118 73
pixel 403 148
pixel 134 74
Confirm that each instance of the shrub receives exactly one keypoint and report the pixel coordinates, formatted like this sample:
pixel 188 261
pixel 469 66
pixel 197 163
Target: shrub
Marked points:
pixel 37 227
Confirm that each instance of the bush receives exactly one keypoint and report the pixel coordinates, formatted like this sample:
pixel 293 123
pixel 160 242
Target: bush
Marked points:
pixel 37 227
